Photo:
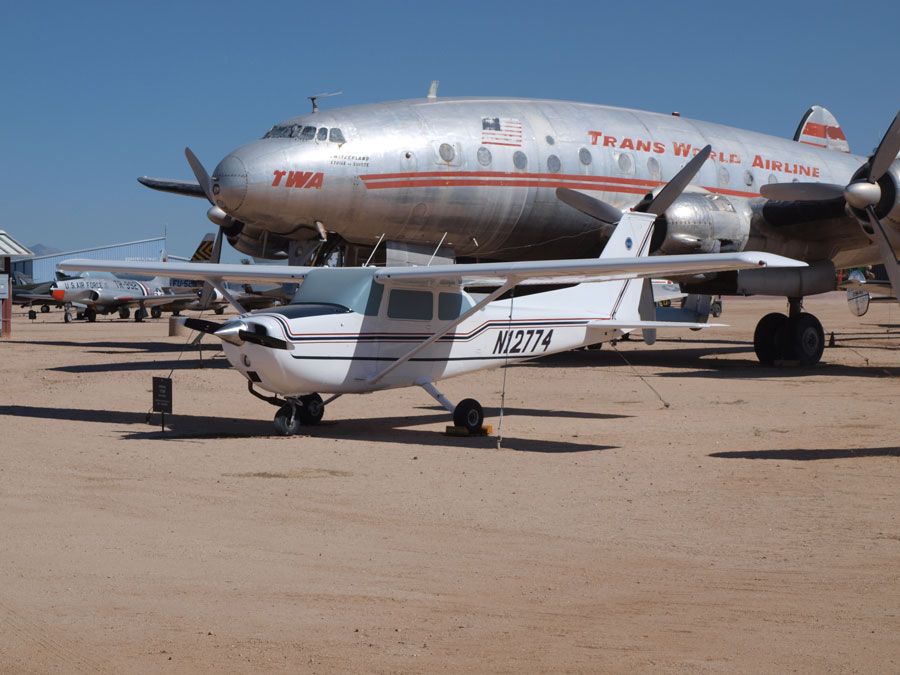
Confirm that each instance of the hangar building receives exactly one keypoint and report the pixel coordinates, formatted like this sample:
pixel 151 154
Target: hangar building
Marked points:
pixel 43 268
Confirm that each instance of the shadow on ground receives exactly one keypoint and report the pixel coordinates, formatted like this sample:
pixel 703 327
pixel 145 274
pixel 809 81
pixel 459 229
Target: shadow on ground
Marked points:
pixel 390 430
pixel 806 455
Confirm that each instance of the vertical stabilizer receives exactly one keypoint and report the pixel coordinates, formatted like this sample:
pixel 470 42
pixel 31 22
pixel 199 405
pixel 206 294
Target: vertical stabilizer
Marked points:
pixel 204 252
pixel 821 129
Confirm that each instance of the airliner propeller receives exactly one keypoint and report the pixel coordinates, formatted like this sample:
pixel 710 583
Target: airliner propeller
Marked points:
pixel 607 213
pixel 862 194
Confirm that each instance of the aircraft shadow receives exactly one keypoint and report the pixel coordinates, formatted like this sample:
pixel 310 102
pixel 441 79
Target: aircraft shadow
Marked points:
pixel 537 412
pixel 806 455
pixel 390 430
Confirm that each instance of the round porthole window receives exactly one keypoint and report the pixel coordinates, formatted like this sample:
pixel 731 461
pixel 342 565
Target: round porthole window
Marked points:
pixel 520 160
pixel 724 176
pixel 626 163
pixel 550 140
pixel 448 154
pixel 484 156
pixel 553 164
pixel 584 156
pixel 654 169
pixel 748 178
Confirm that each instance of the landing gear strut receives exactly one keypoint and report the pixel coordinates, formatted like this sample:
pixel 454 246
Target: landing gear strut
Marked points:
pixel 467 414
pixel 294 412
pixel 798 338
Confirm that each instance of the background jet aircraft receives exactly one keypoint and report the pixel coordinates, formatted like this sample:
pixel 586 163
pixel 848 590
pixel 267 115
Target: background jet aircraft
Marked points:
pixel 497 179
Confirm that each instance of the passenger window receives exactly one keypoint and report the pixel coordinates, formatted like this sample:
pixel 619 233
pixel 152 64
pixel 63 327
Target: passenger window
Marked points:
pixel 336 136
pixel 308 133
pixel 403 304
pixel 373 303
pixel 322 135
pixel 451 306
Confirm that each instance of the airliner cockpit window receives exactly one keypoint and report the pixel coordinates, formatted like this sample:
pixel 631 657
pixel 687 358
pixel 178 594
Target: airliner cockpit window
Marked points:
pixel 322 135
pixel 279 132
pixel 308 133
pixel 336 136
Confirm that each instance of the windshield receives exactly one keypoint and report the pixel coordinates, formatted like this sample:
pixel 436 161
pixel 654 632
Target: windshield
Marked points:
pixel 306 133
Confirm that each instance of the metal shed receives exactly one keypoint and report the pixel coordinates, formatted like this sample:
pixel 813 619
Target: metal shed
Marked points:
pixel 10 250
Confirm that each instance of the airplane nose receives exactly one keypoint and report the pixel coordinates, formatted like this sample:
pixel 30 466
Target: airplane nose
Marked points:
pixel 229 183
pixel 58 294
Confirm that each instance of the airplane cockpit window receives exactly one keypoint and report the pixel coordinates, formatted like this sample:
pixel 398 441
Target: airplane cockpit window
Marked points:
pixel 336 136
pixel 308 133
pixel 305 133
pixel 322 135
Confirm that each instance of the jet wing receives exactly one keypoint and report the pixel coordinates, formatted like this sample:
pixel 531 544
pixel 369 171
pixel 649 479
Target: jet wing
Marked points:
pixel 478 274
pixel 178 187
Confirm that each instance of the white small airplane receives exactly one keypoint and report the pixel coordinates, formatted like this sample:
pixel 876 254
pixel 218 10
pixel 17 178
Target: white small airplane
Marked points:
pixel 358 330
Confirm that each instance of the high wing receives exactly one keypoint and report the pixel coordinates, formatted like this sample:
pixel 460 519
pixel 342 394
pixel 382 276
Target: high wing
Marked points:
pixel 178 187
pixel 478 274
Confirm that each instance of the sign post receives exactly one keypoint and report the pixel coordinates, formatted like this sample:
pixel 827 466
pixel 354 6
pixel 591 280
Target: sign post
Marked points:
pixel 5 305
pixel 162 397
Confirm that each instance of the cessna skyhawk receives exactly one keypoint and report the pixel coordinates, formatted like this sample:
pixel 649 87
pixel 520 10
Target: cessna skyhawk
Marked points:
pixel 497 179
pixel 357 330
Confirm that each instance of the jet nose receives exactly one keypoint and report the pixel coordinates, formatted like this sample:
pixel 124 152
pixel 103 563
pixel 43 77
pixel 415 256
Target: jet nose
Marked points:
pixel 58 294
pixel 229 183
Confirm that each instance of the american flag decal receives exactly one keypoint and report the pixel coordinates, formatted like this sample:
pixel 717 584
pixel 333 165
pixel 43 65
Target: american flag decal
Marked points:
pixel 501 131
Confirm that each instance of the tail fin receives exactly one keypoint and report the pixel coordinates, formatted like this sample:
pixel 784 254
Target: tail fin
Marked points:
pixel 619 299
pixel 821 129
pixel 204 250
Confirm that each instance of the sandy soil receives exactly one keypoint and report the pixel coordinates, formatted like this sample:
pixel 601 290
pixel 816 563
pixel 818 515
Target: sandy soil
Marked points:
pixel 750 526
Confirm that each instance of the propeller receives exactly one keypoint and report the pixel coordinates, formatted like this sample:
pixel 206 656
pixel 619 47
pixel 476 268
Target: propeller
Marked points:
pixel 607 213
pixel 236 332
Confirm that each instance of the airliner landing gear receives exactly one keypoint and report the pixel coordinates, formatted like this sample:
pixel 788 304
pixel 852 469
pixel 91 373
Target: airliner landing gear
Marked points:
pixel 798 337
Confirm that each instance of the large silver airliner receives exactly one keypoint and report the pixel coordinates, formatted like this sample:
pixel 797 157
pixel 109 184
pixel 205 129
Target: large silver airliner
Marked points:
pixel 515 179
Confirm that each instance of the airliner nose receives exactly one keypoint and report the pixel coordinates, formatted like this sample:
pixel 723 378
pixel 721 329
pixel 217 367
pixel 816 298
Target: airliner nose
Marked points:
pixel 229 183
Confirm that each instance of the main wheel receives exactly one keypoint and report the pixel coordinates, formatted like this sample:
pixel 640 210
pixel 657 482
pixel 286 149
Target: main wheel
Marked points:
pixel 90 314
pixel 155 312
pixel 287 421
pixel 312 410
pixel 45 309
pixel 767 338
pixel 468 414
pixel 124 312
pixel 140 314
pixel 219 310
pixel 807 338
pixel 67 316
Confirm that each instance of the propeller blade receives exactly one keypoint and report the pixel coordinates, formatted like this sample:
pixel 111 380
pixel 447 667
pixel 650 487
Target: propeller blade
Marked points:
pixel 263 340
pixel 886 152
pixel 590 206
pixel 801 192
pixel 673 189
pixel 202 325
pixel 200 174
pixel 888 257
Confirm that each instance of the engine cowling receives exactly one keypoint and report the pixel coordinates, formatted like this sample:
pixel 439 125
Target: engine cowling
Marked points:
pixel 888 207
pixel 700 222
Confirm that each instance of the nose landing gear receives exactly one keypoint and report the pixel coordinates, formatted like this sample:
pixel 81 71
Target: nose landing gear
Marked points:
pixel 298 412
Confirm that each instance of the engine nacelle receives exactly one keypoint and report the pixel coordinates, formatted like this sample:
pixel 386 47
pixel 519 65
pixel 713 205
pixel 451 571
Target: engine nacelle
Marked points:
pixel 788 282
pixel 700 222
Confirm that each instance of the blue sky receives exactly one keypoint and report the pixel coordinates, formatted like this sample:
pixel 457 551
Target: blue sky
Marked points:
pixel 95 94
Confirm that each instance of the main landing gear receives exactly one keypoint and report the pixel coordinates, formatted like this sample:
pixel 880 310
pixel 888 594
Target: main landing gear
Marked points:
pixel 798 337
pixel 467 414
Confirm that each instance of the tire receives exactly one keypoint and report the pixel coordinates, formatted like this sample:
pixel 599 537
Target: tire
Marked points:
pixel 807 339
pixel 312 410
pixel 90 315
pixel 124 313
pixel 768 338
pixel 219 310
pixel 140 314
pixel 287 422
pixel 715 309
pixel 45 309
pixel 67 317
pixel 155 312
pixel 469 414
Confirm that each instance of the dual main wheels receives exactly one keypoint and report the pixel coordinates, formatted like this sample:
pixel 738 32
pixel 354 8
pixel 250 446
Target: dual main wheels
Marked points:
pixel 798 338
pixel 304 411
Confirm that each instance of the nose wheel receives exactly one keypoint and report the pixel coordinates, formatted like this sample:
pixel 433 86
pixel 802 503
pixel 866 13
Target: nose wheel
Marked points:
pixel 299 412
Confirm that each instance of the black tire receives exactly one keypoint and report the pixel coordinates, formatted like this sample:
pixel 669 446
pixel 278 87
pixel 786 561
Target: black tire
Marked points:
pixel 155 312
pixel 67 317
pixel 469 414
pixel 219 310
pixel 45 309
pixel 124 312
pixel 715 309
pixel 287 421
pixel 312 410
pixel 768 338
pixel 32 315
pixel 140 314
pixel 90 315
pixel 807 339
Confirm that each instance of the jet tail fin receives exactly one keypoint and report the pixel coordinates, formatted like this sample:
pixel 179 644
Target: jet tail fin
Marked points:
pixel 204 252
pixel 820 128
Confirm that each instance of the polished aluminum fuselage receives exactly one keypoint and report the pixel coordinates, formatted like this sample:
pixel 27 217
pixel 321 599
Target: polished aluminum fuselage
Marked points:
pixel 420 171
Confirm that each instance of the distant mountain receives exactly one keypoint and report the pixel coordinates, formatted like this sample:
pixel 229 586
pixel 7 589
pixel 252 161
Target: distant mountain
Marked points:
pixel 40 249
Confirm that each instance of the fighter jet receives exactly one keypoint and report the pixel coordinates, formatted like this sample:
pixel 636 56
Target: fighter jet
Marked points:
pixel 518 179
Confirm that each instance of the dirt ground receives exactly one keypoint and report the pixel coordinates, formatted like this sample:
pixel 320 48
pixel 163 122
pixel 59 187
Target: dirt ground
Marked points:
pixel 750 526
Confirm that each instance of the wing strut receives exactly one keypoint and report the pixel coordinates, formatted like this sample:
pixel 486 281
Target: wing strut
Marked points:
pixel 219 285
pixel 496 293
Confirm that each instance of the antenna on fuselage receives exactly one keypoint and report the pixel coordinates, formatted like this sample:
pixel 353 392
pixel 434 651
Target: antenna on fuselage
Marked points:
pixel 432 90
pixel 315 97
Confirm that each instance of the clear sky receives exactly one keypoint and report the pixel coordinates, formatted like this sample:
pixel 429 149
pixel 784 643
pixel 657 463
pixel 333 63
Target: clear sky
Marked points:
pixel 95 94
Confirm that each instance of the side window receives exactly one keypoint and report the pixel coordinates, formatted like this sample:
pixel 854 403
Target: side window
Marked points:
pixel 376 290
pixel 403 304
pixel 322 135
pixel 451 305
pixel 308 133
pixel 336 136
